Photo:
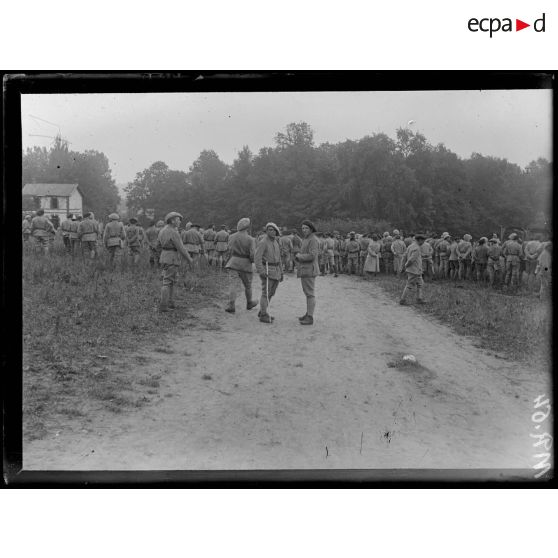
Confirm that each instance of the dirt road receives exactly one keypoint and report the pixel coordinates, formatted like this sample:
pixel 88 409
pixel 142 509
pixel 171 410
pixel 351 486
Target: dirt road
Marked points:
pixel 236 393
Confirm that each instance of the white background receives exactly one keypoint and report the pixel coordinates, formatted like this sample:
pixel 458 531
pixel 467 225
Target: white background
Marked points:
pixel 274 35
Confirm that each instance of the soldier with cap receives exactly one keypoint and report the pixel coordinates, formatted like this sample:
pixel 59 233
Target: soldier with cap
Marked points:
pixel 413 268
pixel 209 236
pixel 41 229
pixel 113 236
pixel 133 240
pixel 170 245
pixel 353 251
pixel 268 265
pixel 87 232
pixel 242 248
pixel 398 248
pixel 221 246
pixel 512 252
pixel 151 235
pixel 308 269
pixel 66 227
pixel 493 261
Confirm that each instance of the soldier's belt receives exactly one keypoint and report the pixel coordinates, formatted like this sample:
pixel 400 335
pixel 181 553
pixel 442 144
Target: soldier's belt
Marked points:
pixel 271 264
pixel 170 249
pixel 240 256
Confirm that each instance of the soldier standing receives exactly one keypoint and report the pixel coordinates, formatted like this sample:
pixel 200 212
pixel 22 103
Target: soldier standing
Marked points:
pixel 330 253
pixel 193 242
pixel 242 249
pixel 286 246
pixel 398 249
pixel 413 268
pixel 464 252
pixel 209 243
pixel 151 234
pixel 133 240
pixel 481 259
pixel 493 261
pixel 512 252
pixel 297 243
pixel 363 242
pixel 88 230
pixel 426 251
pixel 268 260
pixel 353 250
pixel 442 250
pixel 66 227
pixel 308 269
pixel 41 228
pixel 221 246
pixel 113 236
pixel 74 238
pixel 532 251
pixel 171 246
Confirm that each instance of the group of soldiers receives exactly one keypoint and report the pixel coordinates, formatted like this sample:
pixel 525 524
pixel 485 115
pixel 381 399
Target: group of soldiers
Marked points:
pixel 508 264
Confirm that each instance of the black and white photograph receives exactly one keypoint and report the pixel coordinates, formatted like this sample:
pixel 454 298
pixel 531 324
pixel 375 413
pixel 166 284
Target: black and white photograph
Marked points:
pixel 288 280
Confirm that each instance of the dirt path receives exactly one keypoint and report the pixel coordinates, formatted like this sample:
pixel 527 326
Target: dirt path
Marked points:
pixel 240 394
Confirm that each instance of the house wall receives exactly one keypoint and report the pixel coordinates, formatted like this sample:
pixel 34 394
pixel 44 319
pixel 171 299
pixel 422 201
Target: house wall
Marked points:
pixel 76 203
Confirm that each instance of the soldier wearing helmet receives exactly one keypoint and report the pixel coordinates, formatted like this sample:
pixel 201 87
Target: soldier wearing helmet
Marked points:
pixel 170 245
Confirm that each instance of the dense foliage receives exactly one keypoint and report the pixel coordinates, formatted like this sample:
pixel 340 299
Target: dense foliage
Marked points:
pixel 406 182
pixel 90 170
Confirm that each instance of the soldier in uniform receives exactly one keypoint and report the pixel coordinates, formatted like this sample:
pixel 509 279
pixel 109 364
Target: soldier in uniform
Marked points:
pixel 209 243
pixel 413 268
pixel 193 242
pixel 512 252
pixel 464 256
pixel 330 253
pixel 268 260
pixel 532 251
pixel 442 249
pixel 481 259
pixel 426 252
pixel 363 242
pixel 544 270
pixel 41 228
pixel 74 238
pixel 221 246
pixel 398 249
pixel 286 246
pixel 297 243
pixel 170 245
pixel 453 259
pixel 242 249
pixel 65 227
pixel 113 236
pixel 151 234
pixel 493 261
pixel 88 230
pixel 134 240
pixel 308 269
pixel 353 250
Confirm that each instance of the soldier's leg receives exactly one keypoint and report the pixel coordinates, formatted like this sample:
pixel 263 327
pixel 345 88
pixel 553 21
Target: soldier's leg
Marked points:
pixel 409 288
pixel 168 279
pixel 419 284
pixel 234 289
pixel 308 288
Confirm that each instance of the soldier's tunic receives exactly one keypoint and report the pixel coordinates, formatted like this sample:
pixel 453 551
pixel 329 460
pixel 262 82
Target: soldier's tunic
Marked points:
pixel 481 260
pixel 113 235
pixel 151 234
pixel 443 250
pixel 453 260
pixel 413 268
pixel 88 230
pixel 41 228
pixel 193 242
pixel 286 248
pixel 171 246
pixel 532 251
pixel 268 265
pixel 464 252
pixel 133 239
pixel 221 242
pixel 209 242
pixel 26 229
pixel 353 251
pixel 74 239
pixel 398 249
pixel 242 249
pixel 65 227
pixel 308 268
pixel 426 251
pixel 493 261
pixel 512 252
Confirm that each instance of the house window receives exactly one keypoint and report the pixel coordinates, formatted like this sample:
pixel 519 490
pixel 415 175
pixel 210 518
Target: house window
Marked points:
pixel 53 203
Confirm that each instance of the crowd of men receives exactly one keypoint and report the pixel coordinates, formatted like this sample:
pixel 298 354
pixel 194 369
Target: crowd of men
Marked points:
pixel 507 264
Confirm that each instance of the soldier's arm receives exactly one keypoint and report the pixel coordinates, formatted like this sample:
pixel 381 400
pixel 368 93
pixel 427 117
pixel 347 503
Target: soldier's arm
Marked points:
pixel 177 241
pixel 258 259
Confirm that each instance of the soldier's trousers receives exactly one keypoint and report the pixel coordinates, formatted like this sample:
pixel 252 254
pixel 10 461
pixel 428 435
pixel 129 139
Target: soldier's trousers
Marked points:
pixel 67 243
pixel 493 269
pixel 414 282
pixel 512 272
pixel 397 263
pixel 464 269
pixel 480 268
pixel 352 265
pixel 237 281
pixel 443 268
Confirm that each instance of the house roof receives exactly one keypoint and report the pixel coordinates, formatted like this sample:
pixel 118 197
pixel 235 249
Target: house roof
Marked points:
pixel 49 189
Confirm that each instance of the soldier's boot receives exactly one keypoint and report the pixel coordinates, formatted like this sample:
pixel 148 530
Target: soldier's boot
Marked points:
pixel 230 307
pixel 307 320
pixel 302 317
pixel 164 304
pixel 420 299
pixel 310 307
pixel 249 302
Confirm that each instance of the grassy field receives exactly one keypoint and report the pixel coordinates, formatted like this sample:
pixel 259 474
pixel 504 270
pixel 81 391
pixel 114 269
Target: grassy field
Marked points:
pixel 519 326
pixel 80 319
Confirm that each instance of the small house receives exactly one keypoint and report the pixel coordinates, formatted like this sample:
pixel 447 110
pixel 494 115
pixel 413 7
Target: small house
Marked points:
pixel 55 199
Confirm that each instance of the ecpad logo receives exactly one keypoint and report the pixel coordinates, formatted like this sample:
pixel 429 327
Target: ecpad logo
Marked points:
pixel 493 25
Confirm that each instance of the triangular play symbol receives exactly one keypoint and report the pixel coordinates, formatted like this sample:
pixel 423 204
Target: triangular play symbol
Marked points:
pixel 519 25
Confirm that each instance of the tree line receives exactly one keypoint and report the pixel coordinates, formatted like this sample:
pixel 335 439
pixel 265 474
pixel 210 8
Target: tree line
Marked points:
pixel 404 182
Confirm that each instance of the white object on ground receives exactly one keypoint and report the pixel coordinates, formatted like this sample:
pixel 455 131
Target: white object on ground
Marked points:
pixel 409 358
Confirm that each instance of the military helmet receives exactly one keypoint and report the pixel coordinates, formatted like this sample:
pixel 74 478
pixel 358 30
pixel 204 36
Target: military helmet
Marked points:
pixel 513 236
pixel 395 232
pixel 172 215
pixel 114 217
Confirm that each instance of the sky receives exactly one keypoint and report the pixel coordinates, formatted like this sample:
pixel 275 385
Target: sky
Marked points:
pixel 135 130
